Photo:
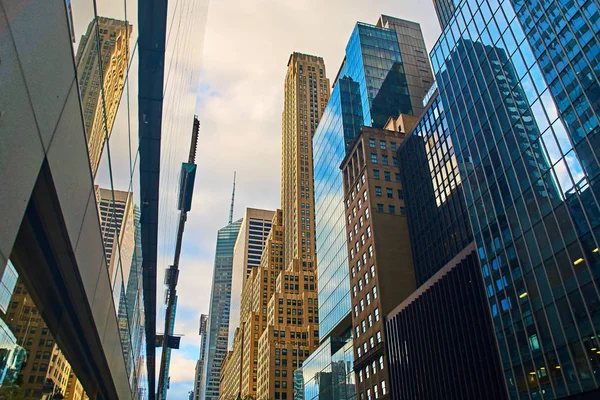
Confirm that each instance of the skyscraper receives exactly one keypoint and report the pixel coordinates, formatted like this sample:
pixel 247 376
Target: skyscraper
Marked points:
pixel 203 332
pixel 102 58
pixel 371 86
pixel 247 253
pixel 220 297
pixel 115 208
pixel 306 93
pixel 519 84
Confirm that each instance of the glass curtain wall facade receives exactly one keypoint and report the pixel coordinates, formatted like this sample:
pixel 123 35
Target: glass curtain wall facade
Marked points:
pixel 438 220
pixel 370 87
pixel 220 298
pixel 519 82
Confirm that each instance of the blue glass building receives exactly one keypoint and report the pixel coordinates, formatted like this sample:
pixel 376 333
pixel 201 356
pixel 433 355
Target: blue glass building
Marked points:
pixel 519 81
pixel 220 299
pixel 370 87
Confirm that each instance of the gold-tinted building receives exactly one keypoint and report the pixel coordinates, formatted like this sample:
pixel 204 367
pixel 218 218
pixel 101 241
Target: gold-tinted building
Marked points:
pixel 279 323
pixel 44 362
pixel 306 93
pixel 102 57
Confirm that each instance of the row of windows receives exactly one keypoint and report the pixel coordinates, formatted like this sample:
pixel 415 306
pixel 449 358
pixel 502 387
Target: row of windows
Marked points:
pixel 382 144
pixel 384 159
pixel 361 395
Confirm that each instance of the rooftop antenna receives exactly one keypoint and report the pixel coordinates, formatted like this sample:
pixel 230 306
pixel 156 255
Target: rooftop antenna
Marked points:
pixel 232 199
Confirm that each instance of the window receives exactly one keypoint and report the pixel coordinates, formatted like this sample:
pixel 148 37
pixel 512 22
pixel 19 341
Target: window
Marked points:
pixel 360 285
pixel 389 192
pixel 372 143
pixel 375 392
pixel 392 209
pixel 383 390
pixel 363 326
pixel 370 320
pixel 360 378
pixel 368 390
pixel 371 251
pixel 400 194
pixel 372 271
pixel 380 207
pixel 367 212
pixel 402 210
pixel 381 368
pixel 384 159
pixel 362 305
pixel 378 336
pixel 368 297
pixel 361 222
pixel 357 329
pixel 395 161
pixel 374 158
pixel 387 175
pixel 356 311
pixel 362 239
pixel 365 195
pixel 374 292
pixel 378 191
pixel 366 277
pixel 376 174
pixel 368 231
pixel 358 352
pixel 359 204
pixel 372 342
pixel 362 178
pixel 393 146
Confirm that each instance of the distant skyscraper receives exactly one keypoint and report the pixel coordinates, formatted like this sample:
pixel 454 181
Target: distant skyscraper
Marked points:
pixel 220 297
pixel 115 208
pixel 203 332
pixel 306 93
pixel 247 252
pixel 102 58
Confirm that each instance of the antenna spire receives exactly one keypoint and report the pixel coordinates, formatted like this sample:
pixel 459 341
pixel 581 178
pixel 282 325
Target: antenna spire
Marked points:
pixel 232 199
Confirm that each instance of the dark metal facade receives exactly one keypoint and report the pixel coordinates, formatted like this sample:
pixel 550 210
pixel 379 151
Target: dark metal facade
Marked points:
pixel 440 341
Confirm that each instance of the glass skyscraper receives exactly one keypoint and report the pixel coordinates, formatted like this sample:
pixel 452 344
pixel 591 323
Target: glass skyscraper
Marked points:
pixel 370 87
pixel 519 83
pixel 220 299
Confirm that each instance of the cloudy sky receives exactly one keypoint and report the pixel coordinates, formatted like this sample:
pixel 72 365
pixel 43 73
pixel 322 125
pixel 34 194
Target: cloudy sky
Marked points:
pixel 240 98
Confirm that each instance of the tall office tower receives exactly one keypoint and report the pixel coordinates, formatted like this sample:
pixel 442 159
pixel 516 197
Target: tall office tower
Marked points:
pixel 115 208
pixel 203 332
pixel 438 221
pixel 102 58
pixel 415 61
pixel 523 116
pixel 306 93
pixel 247 253
pixel 370 87
pixel 218 316
pixel 381 265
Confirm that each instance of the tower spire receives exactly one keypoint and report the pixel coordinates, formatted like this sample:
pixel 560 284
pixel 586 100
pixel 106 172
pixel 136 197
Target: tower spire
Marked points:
pixel 232 199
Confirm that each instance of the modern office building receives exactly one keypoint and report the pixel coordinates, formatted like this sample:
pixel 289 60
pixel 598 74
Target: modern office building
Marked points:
pixel 306 93
pixel 102 58
pixel 247 253
pixel 51 230
pixel 438 222
pixel 440 340
pixel 519 84
pixel 220 297
pixel 379 251
pixel 203 332
pixel 370 87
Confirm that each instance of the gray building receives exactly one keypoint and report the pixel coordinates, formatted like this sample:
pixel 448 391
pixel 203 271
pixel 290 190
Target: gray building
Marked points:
pixel 203 332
